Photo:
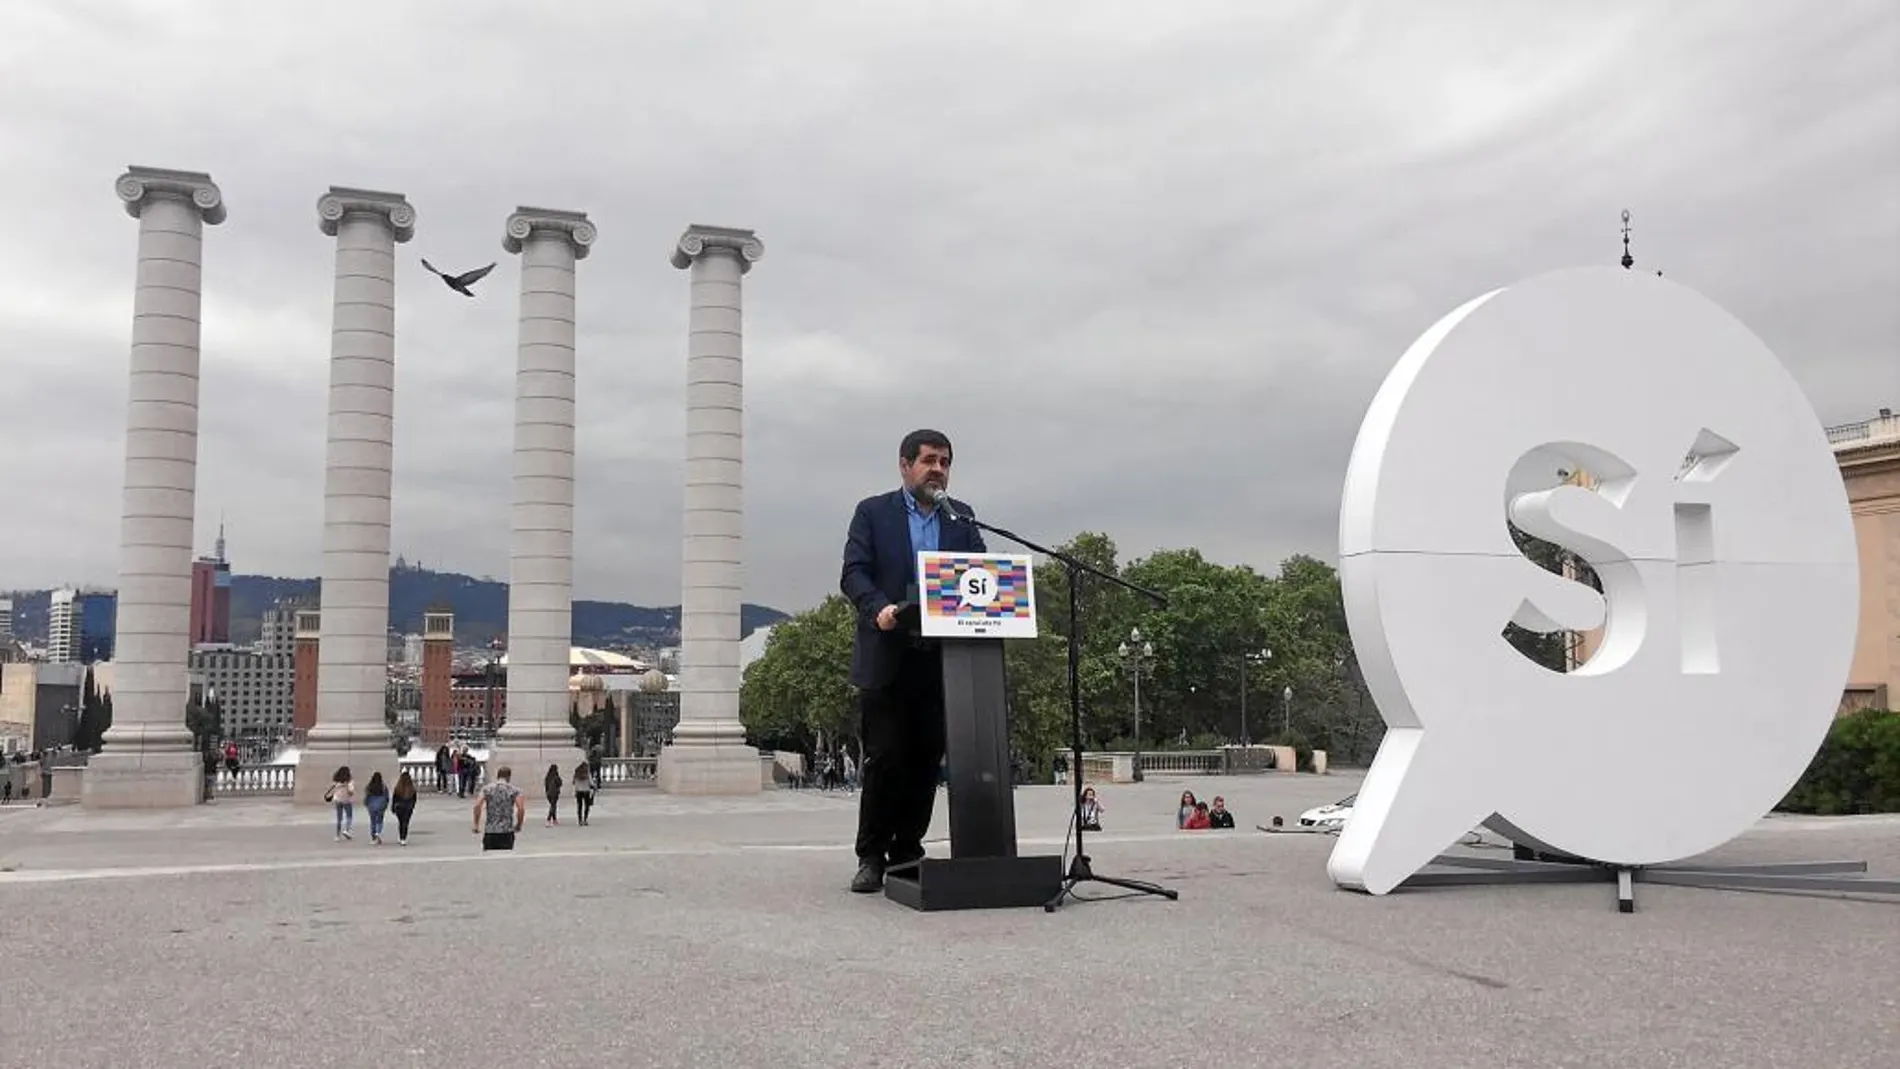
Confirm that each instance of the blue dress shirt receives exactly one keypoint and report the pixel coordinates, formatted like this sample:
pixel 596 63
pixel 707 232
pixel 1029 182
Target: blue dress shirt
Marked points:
pixel 926 529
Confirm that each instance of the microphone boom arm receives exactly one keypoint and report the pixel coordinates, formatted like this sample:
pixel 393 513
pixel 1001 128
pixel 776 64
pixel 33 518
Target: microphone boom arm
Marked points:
pixel 1070 562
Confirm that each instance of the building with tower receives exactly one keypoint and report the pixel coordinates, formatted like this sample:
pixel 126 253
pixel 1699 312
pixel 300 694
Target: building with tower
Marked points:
pixel 211 597
pixel 303 688
pixel 438 669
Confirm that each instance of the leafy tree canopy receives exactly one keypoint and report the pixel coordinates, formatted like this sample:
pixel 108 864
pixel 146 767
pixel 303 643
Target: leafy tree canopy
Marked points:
pixel 797 694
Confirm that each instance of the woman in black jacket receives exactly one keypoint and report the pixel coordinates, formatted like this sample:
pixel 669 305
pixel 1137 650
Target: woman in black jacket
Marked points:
pixel 553 785
pixel 402 802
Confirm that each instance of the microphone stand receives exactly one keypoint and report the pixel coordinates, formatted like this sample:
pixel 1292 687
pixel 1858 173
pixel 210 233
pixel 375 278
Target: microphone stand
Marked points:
pixel 1080 870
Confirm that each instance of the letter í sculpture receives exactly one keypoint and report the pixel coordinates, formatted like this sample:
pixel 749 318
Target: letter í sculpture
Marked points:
pixel 1644 431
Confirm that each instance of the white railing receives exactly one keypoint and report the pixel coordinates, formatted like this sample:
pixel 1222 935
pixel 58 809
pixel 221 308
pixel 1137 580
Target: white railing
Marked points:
pixel 263 780
pixel 1119 766
pixel 628 772
pixel 251 780
pixel 1114 765
pixel 1884 426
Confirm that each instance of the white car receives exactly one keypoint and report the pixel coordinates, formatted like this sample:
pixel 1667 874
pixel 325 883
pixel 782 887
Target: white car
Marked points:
pixel 1330 817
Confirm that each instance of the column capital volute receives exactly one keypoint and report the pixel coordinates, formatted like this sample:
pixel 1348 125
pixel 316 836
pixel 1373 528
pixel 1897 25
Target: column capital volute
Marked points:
pixel 699 240
pixel 393 208
pixel 573 226
pixel 138 186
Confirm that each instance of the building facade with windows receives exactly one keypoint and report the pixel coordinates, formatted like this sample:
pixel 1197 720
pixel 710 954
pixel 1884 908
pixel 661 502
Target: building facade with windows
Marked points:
pixel 63 618
pixel 1869 456
pixel 253 690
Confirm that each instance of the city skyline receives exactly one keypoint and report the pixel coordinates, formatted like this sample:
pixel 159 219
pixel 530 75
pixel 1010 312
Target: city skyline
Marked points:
pixel 1174 252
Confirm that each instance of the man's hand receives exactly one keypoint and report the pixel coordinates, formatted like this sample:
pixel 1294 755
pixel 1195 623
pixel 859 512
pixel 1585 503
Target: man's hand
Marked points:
pixel 887 618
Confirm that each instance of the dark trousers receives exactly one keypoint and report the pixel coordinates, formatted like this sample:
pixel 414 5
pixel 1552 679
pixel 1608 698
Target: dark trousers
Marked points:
pixel 403 813
pixel 498 840
pixel 583 801
pixel 902 728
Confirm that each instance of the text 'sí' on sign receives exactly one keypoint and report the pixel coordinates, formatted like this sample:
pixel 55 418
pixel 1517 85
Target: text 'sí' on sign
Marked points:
pixel 1649 435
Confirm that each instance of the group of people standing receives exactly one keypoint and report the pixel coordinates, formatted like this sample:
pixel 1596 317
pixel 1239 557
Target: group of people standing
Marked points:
pixel 454 765
pixel 500 806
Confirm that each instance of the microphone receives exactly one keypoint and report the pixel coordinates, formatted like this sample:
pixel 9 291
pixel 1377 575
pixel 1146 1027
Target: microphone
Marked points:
pixel 940 499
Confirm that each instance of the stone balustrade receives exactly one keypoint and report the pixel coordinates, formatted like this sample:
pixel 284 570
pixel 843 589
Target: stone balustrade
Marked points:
pixel 258 781
pixel 1119 766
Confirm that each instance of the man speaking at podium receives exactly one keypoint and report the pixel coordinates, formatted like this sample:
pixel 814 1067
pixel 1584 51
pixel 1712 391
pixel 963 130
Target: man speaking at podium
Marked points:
pixel 899 674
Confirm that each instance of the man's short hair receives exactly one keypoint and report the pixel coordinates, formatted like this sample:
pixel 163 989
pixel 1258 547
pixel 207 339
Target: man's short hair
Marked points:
pixel 504 772
pixel 915 441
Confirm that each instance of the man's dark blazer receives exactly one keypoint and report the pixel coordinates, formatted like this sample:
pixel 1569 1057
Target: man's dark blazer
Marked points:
pixel 878 570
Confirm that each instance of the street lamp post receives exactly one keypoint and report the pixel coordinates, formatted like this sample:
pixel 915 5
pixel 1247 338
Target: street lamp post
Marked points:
pixel 1137 656
pixel 1260 656
pixel 1286 711
pixel 494 660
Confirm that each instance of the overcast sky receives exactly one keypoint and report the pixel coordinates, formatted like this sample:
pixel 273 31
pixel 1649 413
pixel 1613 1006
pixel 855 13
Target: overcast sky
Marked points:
pixel 1146 263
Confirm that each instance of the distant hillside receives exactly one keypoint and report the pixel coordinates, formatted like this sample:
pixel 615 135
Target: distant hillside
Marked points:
pixel 480 607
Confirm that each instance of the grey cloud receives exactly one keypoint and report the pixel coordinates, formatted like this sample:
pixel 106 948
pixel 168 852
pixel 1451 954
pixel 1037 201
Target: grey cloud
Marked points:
pixel 1146 265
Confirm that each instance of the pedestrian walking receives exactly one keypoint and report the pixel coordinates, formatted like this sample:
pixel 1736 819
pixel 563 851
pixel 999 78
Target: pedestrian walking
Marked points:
pixel 342 794
pixel 402 802
pixel 584 788
pixel 500 810
pixel 376 800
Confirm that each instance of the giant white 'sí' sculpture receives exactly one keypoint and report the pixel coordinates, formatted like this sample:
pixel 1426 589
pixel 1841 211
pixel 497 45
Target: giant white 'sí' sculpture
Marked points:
pixel 148 758
pixel 1718 525
pixel 353 658
pixel 709 754
pixel 541 559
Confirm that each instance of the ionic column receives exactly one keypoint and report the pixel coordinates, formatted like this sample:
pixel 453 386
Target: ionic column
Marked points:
pixel 149 759
pixel 537 732
pixel 353 658
pixel 709 754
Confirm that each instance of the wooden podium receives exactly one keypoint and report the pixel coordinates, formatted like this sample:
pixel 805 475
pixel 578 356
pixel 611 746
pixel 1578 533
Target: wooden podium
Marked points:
pixel 970 602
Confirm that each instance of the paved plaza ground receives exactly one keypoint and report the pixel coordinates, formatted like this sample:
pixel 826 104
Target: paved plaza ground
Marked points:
pixel 685 932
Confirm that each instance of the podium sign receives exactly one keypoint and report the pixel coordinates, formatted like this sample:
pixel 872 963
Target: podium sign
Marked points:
pixel 976 595
pixel 970 601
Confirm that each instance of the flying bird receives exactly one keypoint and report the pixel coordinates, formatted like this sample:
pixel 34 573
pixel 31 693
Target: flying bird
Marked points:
pixel 461 283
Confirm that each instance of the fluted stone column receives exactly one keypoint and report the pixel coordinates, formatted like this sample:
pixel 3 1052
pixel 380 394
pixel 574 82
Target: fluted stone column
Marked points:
pixel 709 754
pixel 537 732
pixel 149 759
pixel 353 658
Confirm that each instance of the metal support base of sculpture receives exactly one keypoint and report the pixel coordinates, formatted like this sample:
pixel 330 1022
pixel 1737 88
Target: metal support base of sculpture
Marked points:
pixel 1802 877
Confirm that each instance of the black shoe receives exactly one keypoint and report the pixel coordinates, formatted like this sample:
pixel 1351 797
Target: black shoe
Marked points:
pixel 870 878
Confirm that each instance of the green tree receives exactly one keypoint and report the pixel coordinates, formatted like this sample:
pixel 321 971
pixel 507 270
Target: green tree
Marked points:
pixel 94 716
pixel 1856 770
pixel 798 693
pixel 591 729
pixel 1104 612
pixel 1214 614
pixel 205 721
pixel 1038 673
pixel 1312 654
